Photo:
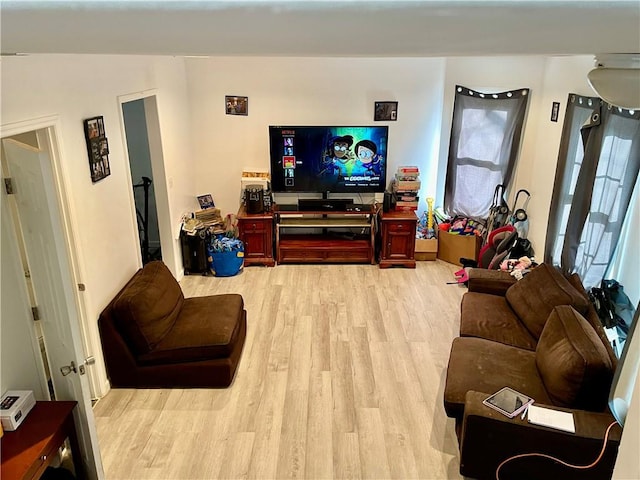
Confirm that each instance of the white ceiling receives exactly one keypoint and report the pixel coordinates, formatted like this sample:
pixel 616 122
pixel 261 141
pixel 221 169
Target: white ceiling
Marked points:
pixel 321 27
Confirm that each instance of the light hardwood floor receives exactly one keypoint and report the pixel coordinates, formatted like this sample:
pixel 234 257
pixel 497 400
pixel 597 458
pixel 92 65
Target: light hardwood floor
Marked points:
pixel 341 376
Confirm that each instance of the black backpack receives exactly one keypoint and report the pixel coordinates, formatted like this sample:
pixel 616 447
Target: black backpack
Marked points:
pixel 613 306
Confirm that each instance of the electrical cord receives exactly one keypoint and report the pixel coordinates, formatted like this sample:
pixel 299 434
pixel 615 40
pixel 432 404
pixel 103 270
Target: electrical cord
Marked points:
pixel 544 455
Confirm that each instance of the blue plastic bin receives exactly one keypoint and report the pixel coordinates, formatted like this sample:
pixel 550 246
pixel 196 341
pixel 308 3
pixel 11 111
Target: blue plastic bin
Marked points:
pixel 226 264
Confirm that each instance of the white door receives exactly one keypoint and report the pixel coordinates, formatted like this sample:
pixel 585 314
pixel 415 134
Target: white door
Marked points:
pixel 44 236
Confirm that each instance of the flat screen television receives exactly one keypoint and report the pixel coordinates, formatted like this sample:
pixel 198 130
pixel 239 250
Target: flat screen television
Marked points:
pixel 328 159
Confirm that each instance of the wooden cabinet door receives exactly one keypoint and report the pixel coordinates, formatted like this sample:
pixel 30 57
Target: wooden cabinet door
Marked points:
pixel 398 245
pixel 398 237
pixel 257 236
pixel 254 244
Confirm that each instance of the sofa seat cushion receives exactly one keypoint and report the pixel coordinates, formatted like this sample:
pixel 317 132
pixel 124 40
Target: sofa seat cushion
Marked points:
pixel 572 361
pixel 485 366
pixel 148 307
pixel 533 297
pixel 490 317
pixel 207 328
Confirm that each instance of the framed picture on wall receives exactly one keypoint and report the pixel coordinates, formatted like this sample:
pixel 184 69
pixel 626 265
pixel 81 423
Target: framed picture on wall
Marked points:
pixel 97 148
pixel 236 105
pixel 385 111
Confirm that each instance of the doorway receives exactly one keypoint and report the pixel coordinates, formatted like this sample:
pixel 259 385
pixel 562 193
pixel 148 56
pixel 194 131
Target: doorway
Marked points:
pixel 137 139
pixel 46 270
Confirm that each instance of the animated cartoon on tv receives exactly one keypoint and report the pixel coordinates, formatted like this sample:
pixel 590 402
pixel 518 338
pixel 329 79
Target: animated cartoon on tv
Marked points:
pixel 357 160
pixel 323 159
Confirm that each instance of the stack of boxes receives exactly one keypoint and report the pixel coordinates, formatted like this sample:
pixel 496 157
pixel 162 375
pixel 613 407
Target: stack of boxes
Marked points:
pixel 405 188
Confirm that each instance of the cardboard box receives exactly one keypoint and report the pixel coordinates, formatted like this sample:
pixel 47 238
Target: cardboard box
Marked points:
pixel 426 249
pixel 453 247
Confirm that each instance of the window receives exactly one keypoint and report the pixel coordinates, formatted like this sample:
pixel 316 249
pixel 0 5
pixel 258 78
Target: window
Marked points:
pixel 485 140
pixel 598 165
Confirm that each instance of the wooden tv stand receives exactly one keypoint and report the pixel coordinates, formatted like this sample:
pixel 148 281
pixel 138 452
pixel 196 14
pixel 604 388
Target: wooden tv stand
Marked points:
pixel 334 238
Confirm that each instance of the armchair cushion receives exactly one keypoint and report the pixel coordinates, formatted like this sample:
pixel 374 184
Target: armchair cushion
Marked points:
pixel 485 366
pixel 489 316
pixel 197 334
pixel 573 363
pixel 533 297
pixel 148 308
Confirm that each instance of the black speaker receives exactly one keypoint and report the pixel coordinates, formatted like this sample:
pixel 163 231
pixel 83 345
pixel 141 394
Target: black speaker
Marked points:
pixel 386 202
pixel 267 200
pixel 254 198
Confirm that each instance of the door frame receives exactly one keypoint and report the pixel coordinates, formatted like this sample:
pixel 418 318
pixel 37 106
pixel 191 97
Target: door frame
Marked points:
pixel 160 186
pixel 70 261
pixel 90 342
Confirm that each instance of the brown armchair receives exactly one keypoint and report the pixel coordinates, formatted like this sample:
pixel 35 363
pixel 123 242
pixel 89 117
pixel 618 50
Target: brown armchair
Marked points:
pixel 154 337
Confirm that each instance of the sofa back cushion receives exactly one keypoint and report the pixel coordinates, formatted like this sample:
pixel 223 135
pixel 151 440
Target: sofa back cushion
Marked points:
pixel 533 298
pixel 572 361
pixel 148 307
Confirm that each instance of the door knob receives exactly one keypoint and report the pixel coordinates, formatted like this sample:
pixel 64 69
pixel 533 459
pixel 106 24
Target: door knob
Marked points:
pixel 67 369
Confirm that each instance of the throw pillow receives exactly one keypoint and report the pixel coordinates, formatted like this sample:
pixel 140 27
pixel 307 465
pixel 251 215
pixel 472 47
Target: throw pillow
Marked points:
pixel 572 361
pixel 533 298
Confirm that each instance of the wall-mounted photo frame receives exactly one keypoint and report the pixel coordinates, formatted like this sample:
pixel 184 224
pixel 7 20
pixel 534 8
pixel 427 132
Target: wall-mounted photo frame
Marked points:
pixel 385 111
pixel 235 105
pixel 97 148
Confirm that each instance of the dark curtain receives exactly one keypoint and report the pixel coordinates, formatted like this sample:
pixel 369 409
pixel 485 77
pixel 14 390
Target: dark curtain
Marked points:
pixel 485 140
pixel 598 165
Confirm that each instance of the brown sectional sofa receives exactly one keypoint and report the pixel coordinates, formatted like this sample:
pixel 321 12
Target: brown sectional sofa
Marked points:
pixel 154 337
pixel 542 337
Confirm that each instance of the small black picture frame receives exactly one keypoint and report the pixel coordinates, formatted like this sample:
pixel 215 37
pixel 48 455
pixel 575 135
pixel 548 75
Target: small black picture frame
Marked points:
pixel 206 201
pixel 97 148
pixel 385 111
pixel 555 110
pixel 235 105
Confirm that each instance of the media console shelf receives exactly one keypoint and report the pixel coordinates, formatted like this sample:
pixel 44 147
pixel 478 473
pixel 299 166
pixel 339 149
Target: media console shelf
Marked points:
pixel 338 237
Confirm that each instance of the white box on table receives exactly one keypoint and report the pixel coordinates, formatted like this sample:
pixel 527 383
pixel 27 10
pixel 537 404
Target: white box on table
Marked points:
pixel 14 407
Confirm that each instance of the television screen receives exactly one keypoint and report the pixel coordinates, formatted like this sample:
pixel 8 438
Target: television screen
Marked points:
pixel 328 159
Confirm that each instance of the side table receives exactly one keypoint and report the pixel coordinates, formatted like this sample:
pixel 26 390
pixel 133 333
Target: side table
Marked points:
pixel 256 232
pixel 398 239
pixel 28 451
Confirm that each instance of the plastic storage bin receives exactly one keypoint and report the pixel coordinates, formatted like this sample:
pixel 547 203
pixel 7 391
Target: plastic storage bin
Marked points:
pixel 227 263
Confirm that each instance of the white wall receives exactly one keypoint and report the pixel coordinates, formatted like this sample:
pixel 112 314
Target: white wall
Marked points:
pixel 326 91
pixel 308 91
pixel 75 87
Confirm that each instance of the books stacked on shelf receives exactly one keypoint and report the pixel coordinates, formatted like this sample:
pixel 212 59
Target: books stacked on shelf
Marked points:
pixel 405 187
